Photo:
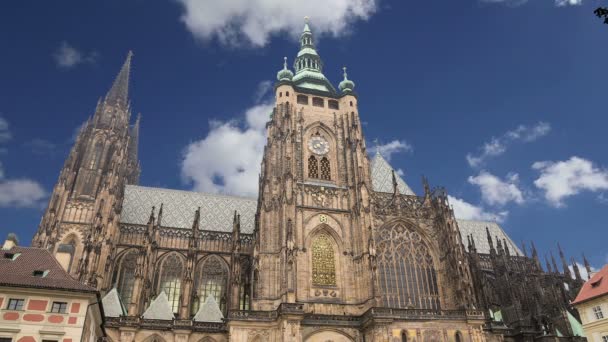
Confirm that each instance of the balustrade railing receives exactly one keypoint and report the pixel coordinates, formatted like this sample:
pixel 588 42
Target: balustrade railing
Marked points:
pixel 176 238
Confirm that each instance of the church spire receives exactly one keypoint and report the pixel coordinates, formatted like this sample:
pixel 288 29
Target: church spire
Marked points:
pixel 309 66
pixel 119 93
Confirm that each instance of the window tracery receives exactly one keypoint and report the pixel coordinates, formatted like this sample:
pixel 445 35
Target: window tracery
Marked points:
pixel 212 280
pixel 325 169
pixel 406 273
pixel 313 167
pixel 126 277
pixel 171 280
pixel 95 159
pixel 323 261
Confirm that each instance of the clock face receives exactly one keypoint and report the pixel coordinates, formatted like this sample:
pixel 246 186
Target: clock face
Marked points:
pixel 318 145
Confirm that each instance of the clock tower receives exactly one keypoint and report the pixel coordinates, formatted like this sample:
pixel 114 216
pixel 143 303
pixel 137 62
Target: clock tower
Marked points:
pixel 313 224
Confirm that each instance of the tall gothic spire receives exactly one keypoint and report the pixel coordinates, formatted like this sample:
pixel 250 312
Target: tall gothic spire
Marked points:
pixel 119 93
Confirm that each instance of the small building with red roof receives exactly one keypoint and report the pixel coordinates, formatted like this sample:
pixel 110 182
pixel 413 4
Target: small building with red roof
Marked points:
pixel 592 305
pixel 41 302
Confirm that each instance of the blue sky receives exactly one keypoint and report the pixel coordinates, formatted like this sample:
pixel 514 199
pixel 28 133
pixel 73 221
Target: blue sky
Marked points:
pixel 516 86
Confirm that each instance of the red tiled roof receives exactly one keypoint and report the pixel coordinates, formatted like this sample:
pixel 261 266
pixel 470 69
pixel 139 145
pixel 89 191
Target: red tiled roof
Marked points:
pixel 594 287
pixel 20 271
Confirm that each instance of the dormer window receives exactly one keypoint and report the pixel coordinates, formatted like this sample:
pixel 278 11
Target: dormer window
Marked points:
pixel 40 273
pixel 11 256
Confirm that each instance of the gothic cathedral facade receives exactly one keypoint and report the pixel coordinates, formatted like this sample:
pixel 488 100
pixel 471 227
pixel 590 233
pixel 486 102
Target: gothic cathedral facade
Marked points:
pixel 336 247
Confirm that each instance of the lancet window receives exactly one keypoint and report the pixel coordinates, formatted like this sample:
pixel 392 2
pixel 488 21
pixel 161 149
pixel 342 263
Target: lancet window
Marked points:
pixel 323 261
pixel 69 248
pixel 171 280
pixel 97 153
pixel 325 169
pixel 212 280
pixel 313 167
pixel 406 272
pixel 126 277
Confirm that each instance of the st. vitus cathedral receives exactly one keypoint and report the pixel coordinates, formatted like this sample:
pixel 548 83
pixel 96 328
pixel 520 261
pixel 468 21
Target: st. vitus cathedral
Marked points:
pixel 336 247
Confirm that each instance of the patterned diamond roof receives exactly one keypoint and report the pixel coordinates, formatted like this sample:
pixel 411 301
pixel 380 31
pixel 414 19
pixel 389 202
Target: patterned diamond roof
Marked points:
pixel 382 177
pixel 217 211
pixel 478 230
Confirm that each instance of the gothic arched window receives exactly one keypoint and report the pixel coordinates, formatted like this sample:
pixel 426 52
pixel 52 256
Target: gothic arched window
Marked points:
pixel 171 280
pixel 212 279
pixel 325 169
pixel 406 272
pixel 68 248
pixel 404 336
pixel 323 261
pixel 458 337
pixel 126 277
pixel 313 167
pixel 97 153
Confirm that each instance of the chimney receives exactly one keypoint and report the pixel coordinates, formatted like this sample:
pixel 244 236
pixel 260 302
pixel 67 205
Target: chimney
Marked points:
pixel 10 242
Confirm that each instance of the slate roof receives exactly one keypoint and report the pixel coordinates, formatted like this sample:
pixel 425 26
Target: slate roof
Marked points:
pixel 159 308
pixel 478 230
pixel 595 287
pixel 18 271
pixel 112 306
pixel 217 211
pixel 382 177
pixel 209 311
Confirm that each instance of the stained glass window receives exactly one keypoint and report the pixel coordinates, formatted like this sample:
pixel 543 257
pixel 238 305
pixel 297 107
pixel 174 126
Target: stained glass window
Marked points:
pixel 212 280
pixel 323 262
pixel 313 167
pixel 406 272
pixel 171 280
pixel 325 169
pixel 126 278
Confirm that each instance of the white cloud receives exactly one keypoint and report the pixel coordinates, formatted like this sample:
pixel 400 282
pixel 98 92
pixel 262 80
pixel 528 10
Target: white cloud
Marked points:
pixel 561 3
pixel 562 179
pixel 21 193
pixel 515 3
pixel 467 211
pixel 254 21
pixel 498 146
pixel 495 191
pixel 228 159
pixel 67 56
pixel 387 150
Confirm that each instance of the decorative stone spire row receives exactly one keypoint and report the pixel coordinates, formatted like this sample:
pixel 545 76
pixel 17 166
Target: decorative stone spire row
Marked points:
pixel 134 141
pixel 564 262
pixel 119 93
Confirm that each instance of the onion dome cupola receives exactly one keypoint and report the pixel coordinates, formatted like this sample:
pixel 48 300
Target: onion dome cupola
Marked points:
pixel 284 74
pixel 309 66
pixel 346 86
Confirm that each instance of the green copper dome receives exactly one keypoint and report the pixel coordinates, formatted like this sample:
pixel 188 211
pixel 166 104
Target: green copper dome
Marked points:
pixel 284 74
pixel 346 86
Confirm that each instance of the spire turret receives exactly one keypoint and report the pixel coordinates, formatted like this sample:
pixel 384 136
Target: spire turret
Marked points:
pixel 587 266
pixel 346 86
pixel 309 66
pixel 564 262
pixel 119 93
pixel 284 74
